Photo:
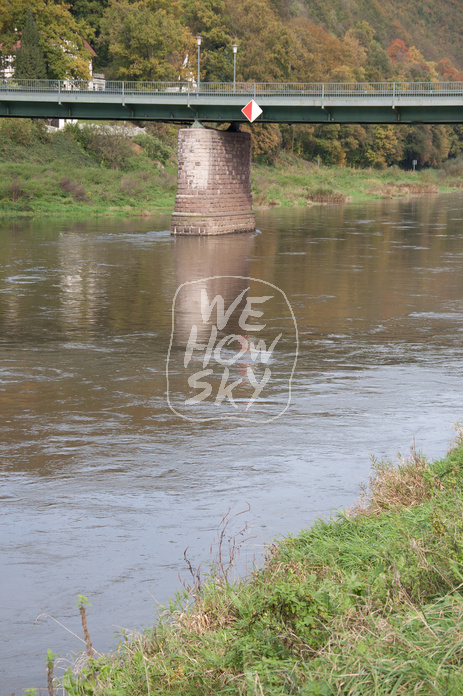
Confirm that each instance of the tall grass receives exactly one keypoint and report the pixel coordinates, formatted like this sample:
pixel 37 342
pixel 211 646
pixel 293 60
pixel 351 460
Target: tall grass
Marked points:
pixel 367 603
pixel 294 182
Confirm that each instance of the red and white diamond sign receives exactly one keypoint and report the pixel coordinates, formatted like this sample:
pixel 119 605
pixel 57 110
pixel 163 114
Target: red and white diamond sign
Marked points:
pixel 252 111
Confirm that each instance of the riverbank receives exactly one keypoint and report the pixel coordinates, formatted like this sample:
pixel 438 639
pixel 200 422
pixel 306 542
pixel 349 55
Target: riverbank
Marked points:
pixel 369 602
pixel 85 173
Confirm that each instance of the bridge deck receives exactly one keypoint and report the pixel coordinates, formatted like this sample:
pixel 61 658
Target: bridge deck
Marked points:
pixel 429 102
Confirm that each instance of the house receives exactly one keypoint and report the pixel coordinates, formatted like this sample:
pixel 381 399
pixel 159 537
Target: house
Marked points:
pixel 7 62
pixel 97 80
pixel 7 65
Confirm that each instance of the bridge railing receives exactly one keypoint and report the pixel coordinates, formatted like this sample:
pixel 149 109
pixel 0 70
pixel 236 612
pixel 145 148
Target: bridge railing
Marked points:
pixel 229 89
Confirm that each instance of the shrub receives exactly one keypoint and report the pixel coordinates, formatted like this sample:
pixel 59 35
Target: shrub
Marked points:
pixel 167 182
pixel 74 189
pixel 17 130
pixel 154 148
pixel 131 186
pixel 16 189
pixel 24 131
pixel 110 149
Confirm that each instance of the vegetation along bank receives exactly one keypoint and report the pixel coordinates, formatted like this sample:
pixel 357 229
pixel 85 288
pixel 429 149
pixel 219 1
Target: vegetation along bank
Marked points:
pixel 85 172
pixel 368 602
pixel 90 170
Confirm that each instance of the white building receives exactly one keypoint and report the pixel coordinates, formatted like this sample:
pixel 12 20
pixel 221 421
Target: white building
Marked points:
pixel 7 65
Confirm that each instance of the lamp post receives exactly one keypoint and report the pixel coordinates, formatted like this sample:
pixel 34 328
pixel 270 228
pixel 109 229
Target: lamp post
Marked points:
pixel 198 41
pixel 235 50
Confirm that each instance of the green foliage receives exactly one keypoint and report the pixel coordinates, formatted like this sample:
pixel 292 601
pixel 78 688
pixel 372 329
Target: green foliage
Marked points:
pixel 43 174
pixel 154 148
pixel 82 601
pixel 22 131
pixel 50 657
pixel 61 35
pixel 107 148
pixel 147 40
pixel 89 11
pixel 207 19
pixel 277 40
pixel 29 62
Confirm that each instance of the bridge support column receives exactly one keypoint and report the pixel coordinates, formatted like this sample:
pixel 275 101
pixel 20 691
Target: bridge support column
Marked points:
pixel 214 183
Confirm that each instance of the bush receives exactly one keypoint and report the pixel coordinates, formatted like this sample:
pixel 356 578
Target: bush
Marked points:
pixel 74 189
pixel 132 186
pixel 108 148
pixel 154 148
pixel 24 131
pixel 16 189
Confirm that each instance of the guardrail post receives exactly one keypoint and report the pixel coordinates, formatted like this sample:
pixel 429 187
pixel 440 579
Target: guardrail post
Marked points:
pixel 123 100
pixel 59 92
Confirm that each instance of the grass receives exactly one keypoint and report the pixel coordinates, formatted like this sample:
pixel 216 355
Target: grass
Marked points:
pixel 295 182
pixel 86 172
pixel 369 602
pixel 76 176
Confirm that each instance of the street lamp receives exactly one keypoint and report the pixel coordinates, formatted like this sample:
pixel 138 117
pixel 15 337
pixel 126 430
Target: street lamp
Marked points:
pixel 198 41
pixel 235 50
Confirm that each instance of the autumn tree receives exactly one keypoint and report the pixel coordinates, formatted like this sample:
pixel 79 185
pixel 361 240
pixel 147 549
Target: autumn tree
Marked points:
pixel 61 35
pixel 266 141
pixel 314 54
pixel 264 53
pixel 429 144
pixel 206 19
pixel 398 51
pixel 448 72
pixel 147 40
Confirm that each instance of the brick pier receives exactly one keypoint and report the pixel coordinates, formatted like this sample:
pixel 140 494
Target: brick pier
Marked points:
pixel 214 183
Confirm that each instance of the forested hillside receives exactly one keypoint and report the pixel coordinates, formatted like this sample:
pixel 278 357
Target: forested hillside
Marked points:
pixel 278 40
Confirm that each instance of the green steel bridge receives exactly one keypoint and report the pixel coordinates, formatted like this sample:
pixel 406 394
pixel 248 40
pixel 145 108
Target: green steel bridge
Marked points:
pixel 375 102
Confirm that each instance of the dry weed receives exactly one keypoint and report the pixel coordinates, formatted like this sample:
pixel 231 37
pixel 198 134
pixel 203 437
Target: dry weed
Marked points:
pixel 75 189
pixel 405 485
pixel 394 190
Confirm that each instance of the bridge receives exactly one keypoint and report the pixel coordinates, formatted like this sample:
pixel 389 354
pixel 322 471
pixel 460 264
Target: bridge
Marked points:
pixel 214 166
pixel 375 102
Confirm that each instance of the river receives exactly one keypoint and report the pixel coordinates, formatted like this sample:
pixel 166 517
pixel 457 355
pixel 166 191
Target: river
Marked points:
pixel 103 486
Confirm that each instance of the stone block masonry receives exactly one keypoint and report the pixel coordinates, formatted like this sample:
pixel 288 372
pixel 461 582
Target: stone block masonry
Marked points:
pixel 213 183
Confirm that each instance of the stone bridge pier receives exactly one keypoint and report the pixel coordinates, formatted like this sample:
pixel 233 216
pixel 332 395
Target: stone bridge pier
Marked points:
pixel 214 182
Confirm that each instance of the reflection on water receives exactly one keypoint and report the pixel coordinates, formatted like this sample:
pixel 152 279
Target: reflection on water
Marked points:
pixel 222 264
pixel 103 487
pixel 228 358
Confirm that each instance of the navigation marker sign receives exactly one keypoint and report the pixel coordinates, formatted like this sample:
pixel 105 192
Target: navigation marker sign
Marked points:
pixel 252 111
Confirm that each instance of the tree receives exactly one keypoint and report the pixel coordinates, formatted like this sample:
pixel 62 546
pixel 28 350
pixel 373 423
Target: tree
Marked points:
pixel 206 18
pixel 398 51
pixel 89 11
pixel 146 39
pixel 429 144
pixel 30 63
pixel 264 53
pixel 61 35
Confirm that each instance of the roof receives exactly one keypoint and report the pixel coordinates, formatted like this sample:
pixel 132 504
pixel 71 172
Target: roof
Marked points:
pixel 17 46
pixel 88 47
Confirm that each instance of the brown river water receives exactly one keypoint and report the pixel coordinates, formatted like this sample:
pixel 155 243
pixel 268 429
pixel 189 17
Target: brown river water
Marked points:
pixel 103 486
